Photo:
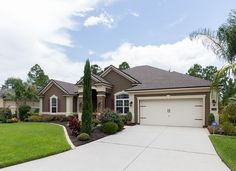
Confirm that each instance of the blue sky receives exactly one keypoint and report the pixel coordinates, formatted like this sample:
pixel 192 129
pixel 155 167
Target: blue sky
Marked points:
pixel 159 22
pixel 60 35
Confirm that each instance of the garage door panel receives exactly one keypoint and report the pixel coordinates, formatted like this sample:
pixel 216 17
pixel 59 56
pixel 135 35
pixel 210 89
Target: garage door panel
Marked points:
pixel 173 112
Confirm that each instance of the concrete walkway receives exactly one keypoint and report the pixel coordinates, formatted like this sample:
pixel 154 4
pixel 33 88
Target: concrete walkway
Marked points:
pixel 137 148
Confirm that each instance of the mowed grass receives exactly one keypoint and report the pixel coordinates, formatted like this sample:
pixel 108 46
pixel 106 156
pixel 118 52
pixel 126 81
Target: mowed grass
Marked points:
pixel 226 148
pixel 21 142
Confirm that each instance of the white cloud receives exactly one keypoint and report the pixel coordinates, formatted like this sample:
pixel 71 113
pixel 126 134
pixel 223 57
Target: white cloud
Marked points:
pixel 179 56
pixel 104 18
pixel 29 31
pixel 135 14
pixel 91 52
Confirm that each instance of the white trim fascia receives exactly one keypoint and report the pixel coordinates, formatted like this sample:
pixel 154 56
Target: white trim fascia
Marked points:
pixel 174 97
pixel 119 72
pixel 202 89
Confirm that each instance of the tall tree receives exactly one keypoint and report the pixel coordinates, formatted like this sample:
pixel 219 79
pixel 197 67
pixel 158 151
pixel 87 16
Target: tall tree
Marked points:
pixel 206 73
pixel 87 100
pixel 124 65
pixel 195 71
pixel 95 69
pixel 37 77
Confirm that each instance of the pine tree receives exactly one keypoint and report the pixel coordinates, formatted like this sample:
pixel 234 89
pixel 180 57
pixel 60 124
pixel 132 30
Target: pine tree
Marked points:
pixel 87 100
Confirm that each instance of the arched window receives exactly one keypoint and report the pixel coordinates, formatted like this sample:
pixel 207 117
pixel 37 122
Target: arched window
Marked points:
pixel 122 102
pixel 53 104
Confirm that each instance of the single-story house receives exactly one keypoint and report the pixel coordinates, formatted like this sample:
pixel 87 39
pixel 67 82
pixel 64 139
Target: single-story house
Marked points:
pixel 153 96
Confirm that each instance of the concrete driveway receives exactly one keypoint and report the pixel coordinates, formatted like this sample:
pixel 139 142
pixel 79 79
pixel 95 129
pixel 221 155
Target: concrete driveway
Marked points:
pixel 137 148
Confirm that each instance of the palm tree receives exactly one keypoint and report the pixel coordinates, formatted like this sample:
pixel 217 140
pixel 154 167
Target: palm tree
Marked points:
pixel 223 41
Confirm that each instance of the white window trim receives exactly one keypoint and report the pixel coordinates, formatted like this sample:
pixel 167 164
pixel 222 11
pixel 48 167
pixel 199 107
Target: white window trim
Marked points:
pixel 119 93
pixel 53 96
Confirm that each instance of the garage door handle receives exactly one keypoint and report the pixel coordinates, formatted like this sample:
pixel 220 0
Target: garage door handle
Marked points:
pixel 198 119
pixel 143 118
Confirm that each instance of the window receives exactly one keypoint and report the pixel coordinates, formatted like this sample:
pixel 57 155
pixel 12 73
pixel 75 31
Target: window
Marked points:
pixel 53 104
pixel 122 103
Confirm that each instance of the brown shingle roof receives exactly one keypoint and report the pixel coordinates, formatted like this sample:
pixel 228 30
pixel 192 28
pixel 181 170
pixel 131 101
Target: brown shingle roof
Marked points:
pixel 155 78
pixel 68 87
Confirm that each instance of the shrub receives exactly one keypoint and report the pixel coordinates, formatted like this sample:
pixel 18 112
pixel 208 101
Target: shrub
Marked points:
pixel 40 118
pixel 123 118
pixel 74 125
pixel 211 118
pixel 5 114
pixel 12 120
pixel 23 111
pixel 110 116
pixel 110 128
pixel 223 118
pixel 228 128
pixel 120 125
pixel 129 116
pixel 60 118
pixel 83 137
pixel 95 122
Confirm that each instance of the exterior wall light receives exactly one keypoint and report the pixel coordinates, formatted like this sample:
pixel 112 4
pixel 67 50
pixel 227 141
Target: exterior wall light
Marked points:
pixel 131 104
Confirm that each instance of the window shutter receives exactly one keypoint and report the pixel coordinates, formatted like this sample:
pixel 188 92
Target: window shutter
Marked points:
pixel 59 105
pixel 48 105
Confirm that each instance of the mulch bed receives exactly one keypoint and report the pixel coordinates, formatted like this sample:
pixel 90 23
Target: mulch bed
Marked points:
pixel 95 135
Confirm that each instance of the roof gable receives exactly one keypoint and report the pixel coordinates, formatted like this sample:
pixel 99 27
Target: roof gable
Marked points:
pixel 123 74
pixel 67 88
pixel 96 79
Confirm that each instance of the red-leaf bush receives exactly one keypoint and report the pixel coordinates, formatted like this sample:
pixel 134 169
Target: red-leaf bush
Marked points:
pixel 74 125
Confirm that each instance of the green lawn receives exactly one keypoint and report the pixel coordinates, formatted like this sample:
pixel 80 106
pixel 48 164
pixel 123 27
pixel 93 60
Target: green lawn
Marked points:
pixel 22 142
pixel 226 148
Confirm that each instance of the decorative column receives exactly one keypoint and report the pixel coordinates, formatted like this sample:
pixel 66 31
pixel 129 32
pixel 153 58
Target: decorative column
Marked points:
pixel 40 105
pixel 101 96
pixel 69 105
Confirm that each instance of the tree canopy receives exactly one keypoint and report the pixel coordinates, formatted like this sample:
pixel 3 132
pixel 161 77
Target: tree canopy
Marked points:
pixel 124 65
pixel 206 73
pixel 37 77
pixel 95 69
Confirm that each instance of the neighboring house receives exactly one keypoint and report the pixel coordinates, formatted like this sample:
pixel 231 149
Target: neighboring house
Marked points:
pixel 154 96
pixel 7 102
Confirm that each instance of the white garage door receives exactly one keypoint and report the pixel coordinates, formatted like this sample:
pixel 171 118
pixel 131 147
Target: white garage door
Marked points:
pixel 172 112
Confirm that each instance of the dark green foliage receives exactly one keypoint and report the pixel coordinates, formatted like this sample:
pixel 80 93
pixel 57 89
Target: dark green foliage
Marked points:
pixel 37 77
pixel 129 116
pixel 5 114
pixel 123 118
pixel 83 137
pixel 110 116
pixel 95 69
pixel 87 100
pixel 211 118
pixel 110 128
pixel 206 73
pixel 120 125
pixel 228 128
pixel 124 65
pixel 95 122
pixel 23 111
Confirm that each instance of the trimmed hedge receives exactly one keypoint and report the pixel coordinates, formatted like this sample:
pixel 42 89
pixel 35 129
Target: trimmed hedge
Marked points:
pixel 47 118
pixel 110 128
pixel 83 137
